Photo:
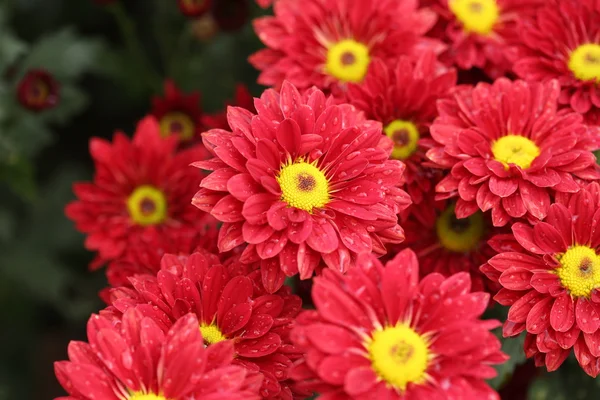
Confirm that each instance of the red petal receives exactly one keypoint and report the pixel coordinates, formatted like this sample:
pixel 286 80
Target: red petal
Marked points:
pixel 524 235
pixel 323 238
pixel 228 209
pixel 502 187
pixel 562 316
pixel 516 278
pixel 548 238
pixel 538 319
pixel 331 339
pixel 536 200
pixel 242 186
pixel 399 281
pixel 256 207
pixel 360 380
pixel 586 316
pixel 288 136
pixel 259 347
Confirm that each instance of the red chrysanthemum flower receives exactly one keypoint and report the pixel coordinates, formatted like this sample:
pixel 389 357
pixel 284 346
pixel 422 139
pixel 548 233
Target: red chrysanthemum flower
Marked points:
pixel 134 359
pixel 403 99
pixel 550 274
pixel 231 303
pixel 379 333
pixel 243 99
pixel 509 149
pixel 303 182
pixel 328 43
pixel 178 114
pixel 562 41
pixel 194 8
pixel 139 201
pixel 38 90
pixel 479 32
pixel 448 245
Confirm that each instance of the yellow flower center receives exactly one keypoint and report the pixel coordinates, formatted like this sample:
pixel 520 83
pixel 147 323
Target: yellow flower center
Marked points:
pixel 147 205
pixel 303 186
pixel 476 16
pixel 211 333
pixel 177 123
pixel 405 136
pixel 515 149
pixel 348 61
pixel 584 62
pixel 146 396
pixel 399 355
pixel 459 235
pixel 579 271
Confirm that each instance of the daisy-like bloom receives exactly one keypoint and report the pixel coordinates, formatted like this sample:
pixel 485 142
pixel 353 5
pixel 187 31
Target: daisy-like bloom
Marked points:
pixel 134 359
pixel 448 245
pixel 194 8
pixel 230 303
pixel 243 99
pixel 178 114
pixel 38 90
pixel 509 149
pixel 380 333
pixel 550 276
pixel 562 41
pixel 480 31
pixel 403 99
pixel 304 182
pixel 139 200
pixel 328 43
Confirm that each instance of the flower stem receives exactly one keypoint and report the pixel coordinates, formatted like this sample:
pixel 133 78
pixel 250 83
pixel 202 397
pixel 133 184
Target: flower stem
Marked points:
pixel 134 46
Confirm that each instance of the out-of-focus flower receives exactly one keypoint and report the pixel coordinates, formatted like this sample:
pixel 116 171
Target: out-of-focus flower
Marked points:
pixel 139 201
pixel 231 15
pixel 194 8
pixel 38 90
pixel 380 333
pixel 305 182
pixel 178 114
pixel 509 150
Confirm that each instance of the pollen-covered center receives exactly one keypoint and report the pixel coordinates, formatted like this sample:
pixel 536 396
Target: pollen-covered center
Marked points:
pixel 515 149
pixel 584 62
pixel 147 205
pixel 348 60
pixel 405 136
pixel 459 235
pixel 476 16
pixel 177 123
pixel 303 186
pixel 211 333
pixel 146 396
pixel 579 271
pixel 399 355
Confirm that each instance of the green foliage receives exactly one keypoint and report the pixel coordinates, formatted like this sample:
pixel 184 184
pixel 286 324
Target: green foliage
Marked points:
pixel 568 383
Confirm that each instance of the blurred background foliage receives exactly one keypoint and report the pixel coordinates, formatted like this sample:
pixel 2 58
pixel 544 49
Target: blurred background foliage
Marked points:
pixel 109 62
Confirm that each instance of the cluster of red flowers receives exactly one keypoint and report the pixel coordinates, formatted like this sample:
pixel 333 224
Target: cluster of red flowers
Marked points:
pixel 391 130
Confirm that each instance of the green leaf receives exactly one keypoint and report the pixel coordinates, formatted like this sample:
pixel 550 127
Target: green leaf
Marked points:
pixel 11 47
pixel 72 101
pixel 19 176
pixel 513 347
pixel 64 54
